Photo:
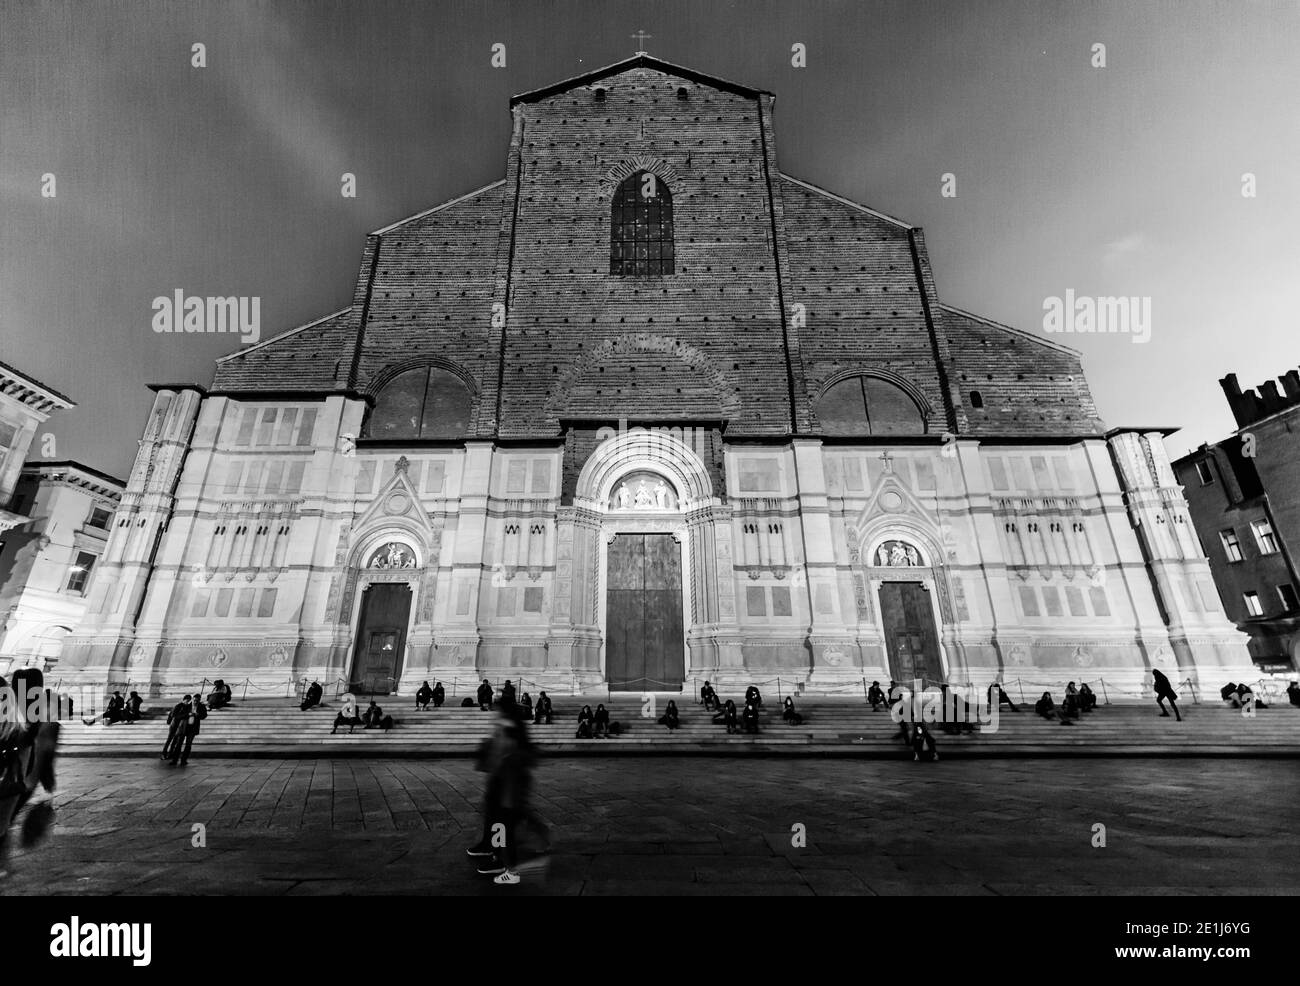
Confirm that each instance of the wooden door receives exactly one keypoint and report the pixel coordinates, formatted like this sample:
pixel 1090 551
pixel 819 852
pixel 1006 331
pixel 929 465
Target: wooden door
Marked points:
pixel 909 633
pixel 644 649
pixel 381 638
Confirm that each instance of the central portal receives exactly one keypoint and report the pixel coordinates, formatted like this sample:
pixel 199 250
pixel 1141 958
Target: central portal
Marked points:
pixel 381 638
pixel 644 650
pixel 909 632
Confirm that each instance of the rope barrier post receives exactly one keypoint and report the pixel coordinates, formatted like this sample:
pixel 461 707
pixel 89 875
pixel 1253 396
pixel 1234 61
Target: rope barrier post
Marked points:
pixel 1105 696
pixel 1021 689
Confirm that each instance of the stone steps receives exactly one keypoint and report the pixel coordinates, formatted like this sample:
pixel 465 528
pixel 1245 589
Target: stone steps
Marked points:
pixel 275 727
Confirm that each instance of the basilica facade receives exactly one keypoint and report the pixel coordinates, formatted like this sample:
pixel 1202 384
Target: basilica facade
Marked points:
pixel 644 412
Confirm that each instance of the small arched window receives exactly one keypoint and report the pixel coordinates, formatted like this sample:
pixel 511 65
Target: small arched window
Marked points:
pixel 600 95
pixel 426 402
pixel 869 406
pixel 641 226
pixel 976 399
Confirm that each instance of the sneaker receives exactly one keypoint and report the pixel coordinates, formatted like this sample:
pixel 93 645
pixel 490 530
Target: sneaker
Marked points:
pixel 479 851
pixel 507 877
pixel 491 868
pixel 916 757
pixel 934 757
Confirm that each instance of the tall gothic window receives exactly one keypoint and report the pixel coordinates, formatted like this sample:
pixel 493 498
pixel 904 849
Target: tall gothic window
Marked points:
pixel 641 227
pixel 869 406
pixel 426 402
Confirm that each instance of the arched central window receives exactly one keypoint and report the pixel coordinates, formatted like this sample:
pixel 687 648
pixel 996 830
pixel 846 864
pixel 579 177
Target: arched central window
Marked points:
pixel 427 402
pixel 641 226
pixel 869 406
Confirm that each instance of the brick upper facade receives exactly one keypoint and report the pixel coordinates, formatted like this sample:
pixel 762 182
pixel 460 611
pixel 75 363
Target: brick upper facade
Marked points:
pixel 780 289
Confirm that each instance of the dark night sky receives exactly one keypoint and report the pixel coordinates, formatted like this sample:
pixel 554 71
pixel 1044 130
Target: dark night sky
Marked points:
pixel 225 180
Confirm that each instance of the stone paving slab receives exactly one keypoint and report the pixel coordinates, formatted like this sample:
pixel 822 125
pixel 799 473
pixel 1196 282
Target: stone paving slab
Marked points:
pixel 658 826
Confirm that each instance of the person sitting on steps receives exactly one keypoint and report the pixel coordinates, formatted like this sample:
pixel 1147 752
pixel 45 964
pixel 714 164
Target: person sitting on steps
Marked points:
pixel 525 706
pixel 670 718
pixel 132 708
pixel 221 695
pixel 709 697
pixel 922 741
pixel 1087 698
pixel 998 696
pixel 423 697
pixel 585 724
pixel 601 726
pixel 749 718
pixel 115 710
pixel 788 713
pixel 1045 707
pixel 728 717
pixel 507 694
pixel 876 696
pixel 439 695
pixel 1293 693
pixel 313 696
pixel 752 695
pixel 543 711
pixel 374 718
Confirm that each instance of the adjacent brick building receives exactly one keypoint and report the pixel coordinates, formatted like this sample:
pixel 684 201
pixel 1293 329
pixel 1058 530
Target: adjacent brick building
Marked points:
pixel 643 412
pixel 1244 495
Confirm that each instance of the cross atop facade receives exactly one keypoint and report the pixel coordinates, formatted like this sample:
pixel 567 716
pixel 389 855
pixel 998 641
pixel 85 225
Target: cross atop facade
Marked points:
pixel 640 41
pixel 888 460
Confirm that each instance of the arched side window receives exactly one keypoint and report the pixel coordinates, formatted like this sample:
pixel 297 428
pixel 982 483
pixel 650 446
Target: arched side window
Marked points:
pixel 869 406
pixel 641 226
pixel 426 402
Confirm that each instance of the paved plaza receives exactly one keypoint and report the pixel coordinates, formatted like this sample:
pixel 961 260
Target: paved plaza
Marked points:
pixel 676 826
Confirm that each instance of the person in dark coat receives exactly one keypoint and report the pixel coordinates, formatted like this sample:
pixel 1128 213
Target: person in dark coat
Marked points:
pixel 175 722
pixel 484 696
pixel 670 718
pixel 728 717
pixel 508 758
pixel 754 697
pixel 132 707
pixel 1293 693
pixel 1087 698
pixel 525 706
pixel 1228 691
pixel 1070 703
pixel 221 695
pixel 600 728
pixel 439 694
pixel 1164 690
pixel 749 718
pixel 923 742
pixel 423 696
pixel 374 718
pixel 313 696
pixel 115 710
pixel 788 713
pixel 507 693
pixel 190 727
pixel 876 696
pixel 1045 707
pixel 998 698
pixel 31 741
pixel 543 709
pixel 709 697
pixel 586 723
